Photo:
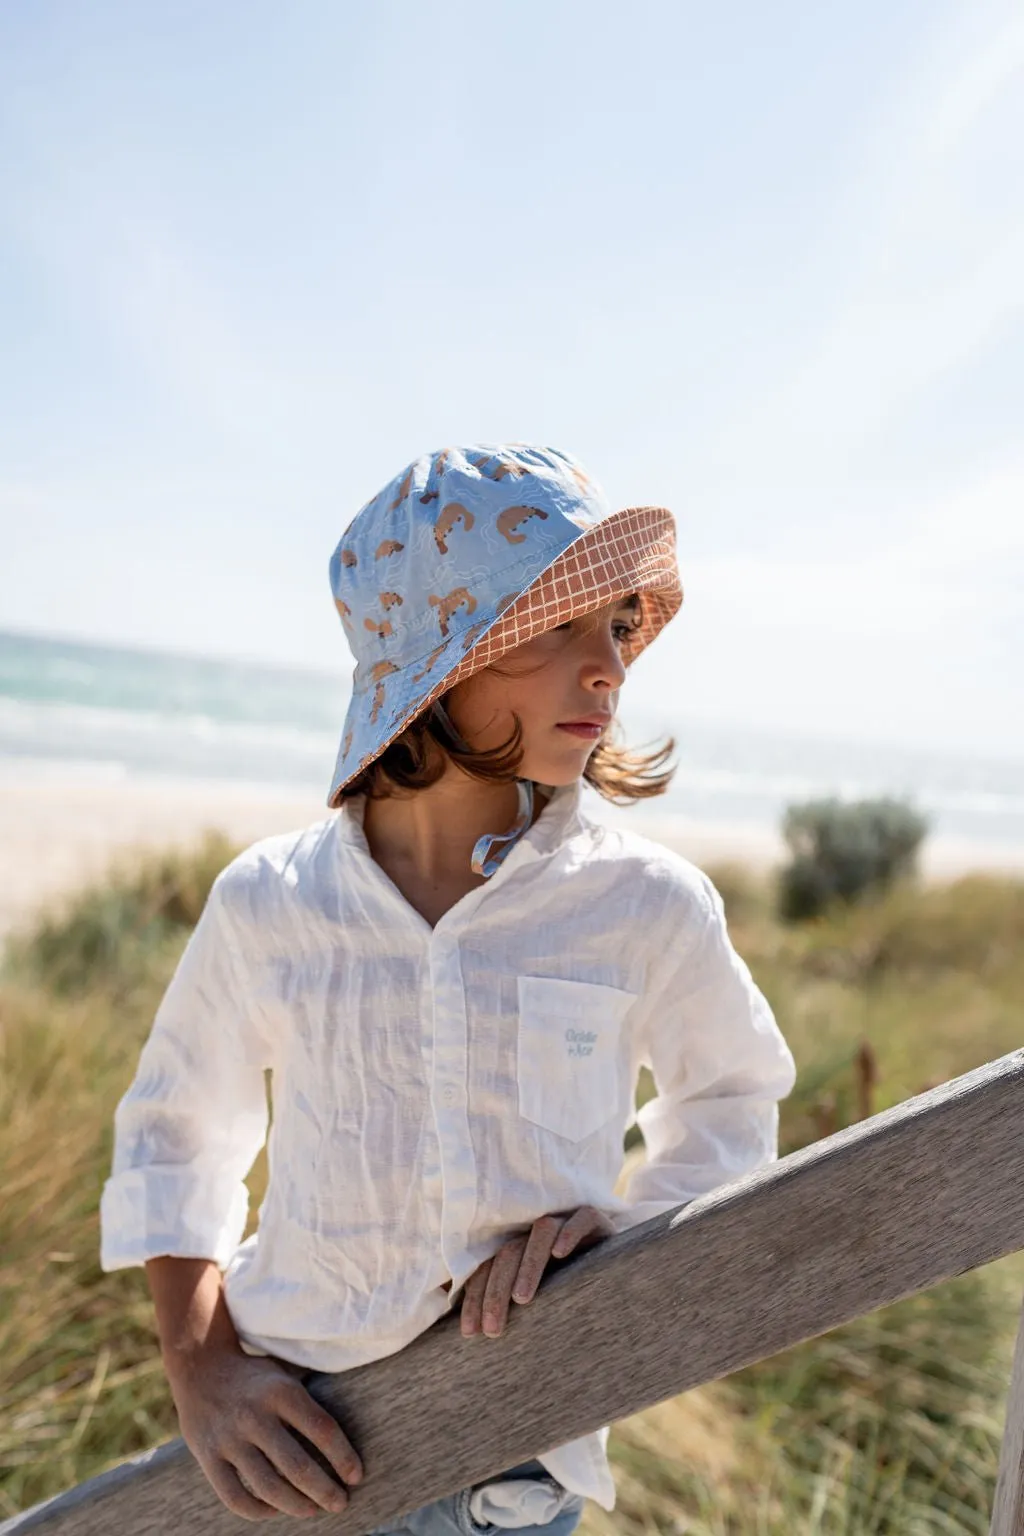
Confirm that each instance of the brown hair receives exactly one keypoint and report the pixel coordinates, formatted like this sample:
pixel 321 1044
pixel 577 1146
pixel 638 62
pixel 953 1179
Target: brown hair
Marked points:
pixel 416 758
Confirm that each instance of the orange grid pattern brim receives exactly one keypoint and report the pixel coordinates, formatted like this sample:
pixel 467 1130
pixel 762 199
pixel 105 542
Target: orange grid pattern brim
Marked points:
pixel 613 559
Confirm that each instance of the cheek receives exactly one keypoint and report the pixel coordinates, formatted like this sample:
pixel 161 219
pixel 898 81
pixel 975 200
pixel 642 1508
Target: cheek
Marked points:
pixel 479 703
pixel 528 686
pixel 520 686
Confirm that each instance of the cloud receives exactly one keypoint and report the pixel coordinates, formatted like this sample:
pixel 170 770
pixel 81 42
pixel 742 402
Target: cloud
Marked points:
pixel 948 565
pixel 983 77
pixel 976 525
pixel 925 268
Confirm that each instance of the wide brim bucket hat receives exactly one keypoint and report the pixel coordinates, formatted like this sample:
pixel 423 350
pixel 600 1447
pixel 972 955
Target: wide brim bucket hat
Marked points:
pixel 469 553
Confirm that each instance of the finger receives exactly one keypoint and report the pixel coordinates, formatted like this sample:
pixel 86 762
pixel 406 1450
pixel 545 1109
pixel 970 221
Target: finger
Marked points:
pixel 498 1293
pixel 300 1472
pixel 256 1474
pixel 298 1408
pixel 535 1257
pixel 227 1485
pixel 473 1300
pixel 583 1226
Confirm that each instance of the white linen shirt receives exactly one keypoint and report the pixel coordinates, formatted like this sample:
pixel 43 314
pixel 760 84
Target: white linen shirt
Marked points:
pixel 435 1090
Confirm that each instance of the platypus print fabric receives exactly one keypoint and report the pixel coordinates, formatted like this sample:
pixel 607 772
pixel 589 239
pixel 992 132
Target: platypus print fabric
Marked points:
pixel 468 553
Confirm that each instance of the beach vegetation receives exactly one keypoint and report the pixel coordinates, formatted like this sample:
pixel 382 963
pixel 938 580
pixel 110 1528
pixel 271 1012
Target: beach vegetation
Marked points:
pixel 844 851
pixel 889 1425
pixel 110 935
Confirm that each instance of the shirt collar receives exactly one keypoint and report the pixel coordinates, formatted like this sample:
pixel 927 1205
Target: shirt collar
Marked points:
pixel 558 820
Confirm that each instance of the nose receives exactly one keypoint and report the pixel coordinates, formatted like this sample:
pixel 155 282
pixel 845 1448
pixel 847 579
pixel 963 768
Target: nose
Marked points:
pixel 602 667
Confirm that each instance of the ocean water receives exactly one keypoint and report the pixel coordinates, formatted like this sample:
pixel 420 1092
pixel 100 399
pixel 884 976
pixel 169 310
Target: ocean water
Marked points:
pixel 105 714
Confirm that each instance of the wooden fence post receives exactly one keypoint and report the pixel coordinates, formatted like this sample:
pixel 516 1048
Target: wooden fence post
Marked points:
pixel 1008 1509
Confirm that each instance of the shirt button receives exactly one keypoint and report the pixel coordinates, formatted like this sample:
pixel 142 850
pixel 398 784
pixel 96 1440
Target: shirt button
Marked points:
pixel 449 1093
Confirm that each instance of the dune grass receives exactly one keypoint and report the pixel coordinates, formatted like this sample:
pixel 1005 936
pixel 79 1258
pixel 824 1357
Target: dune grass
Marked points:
pixel 891 1424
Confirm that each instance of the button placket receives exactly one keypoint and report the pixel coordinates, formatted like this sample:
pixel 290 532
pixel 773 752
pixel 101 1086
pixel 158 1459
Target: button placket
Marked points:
pixel 430 1165
pixel 449 1098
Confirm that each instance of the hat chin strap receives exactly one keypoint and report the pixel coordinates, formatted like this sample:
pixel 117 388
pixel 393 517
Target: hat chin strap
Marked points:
pixel 490 850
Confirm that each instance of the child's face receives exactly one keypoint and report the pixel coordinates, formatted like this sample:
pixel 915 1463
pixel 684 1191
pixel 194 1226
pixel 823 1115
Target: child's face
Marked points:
pixel 569 674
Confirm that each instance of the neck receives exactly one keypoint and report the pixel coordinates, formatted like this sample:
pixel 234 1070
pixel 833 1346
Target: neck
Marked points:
pixel 431 833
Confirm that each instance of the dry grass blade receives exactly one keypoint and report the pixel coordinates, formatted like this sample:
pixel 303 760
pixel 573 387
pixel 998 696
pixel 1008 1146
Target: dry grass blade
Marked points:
pixel 887 1428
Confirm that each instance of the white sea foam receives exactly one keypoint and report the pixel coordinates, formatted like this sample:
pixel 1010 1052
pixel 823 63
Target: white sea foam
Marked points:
pixel 34 724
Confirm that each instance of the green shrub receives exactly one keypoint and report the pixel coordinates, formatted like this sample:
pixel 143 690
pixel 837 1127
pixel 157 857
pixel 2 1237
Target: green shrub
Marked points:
pixel 844 850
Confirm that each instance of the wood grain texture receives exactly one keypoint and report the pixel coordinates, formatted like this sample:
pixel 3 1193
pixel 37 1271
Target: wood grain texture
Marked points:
pixel 887 1208
pixel 1008 1509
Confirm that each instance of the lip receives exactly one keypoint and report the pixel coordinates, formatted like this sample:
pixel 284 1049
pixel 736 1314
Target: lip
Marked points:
pixel 590 727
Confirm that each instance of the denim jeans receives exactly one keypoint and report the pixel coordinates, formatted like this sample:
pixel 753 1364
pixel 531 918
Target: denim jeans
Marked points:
pixel 451 1516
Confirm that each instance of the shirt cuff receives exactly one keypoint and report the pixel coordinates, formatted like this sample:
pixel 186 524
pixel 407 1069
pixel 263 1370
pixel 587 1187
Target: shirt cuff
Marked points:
pixel 151 1213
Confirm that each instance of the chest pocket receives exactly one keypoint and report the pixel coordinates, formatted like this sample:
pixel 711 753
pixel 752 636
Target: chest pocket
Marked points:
pixel 569 1065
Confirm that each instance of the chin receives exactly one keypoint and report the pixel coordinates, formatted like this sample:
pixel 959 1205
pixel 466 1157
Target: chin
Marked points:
pixel 557 772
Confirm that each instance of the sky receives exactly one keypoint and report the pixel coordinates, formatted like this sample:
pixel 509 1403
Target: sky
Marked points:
pixel 763 265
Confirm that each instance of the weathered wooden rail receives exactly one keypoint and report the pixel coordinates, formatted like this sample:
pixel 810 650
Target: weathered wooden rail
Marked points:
pixel 875 1213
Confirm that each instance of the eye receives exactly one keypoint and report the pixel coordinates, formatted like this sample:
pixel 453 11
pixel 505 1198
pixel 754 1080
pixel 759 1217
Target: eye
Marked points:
pixel 621 631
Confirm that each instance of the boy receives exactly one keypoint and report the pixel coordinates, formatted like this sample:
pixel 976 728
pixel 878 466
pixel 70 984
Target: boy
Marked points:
pixel 455 981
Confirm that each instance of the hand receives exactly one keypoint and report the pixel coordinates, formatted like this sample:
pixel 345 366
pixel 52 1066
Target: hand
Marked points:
pixel 515 1271
pixel 235 1411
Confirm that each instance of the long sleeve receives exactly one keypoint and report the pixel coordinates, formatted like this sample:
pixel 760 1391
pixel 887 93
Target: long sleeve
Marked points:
pixel 190 1125
pixel 720 1066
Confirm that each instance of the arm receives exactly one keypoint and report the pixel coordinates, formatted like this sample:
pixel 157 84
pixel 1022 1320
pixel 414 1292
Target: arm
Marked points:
pixel 720 1066
pixel 187 1131
pixel 192 1121
pixel 237 1411
pixel 191 1313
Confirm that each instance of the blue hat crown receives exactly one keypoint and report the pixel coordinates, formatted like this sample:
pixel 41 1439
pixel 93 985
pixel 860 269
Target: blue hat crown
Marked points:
pixel 448 543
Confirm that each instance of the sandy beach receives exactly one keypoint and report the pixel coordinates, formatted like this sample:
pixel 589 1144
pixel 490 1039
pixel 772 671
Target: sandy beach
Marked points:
pixel 57 837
